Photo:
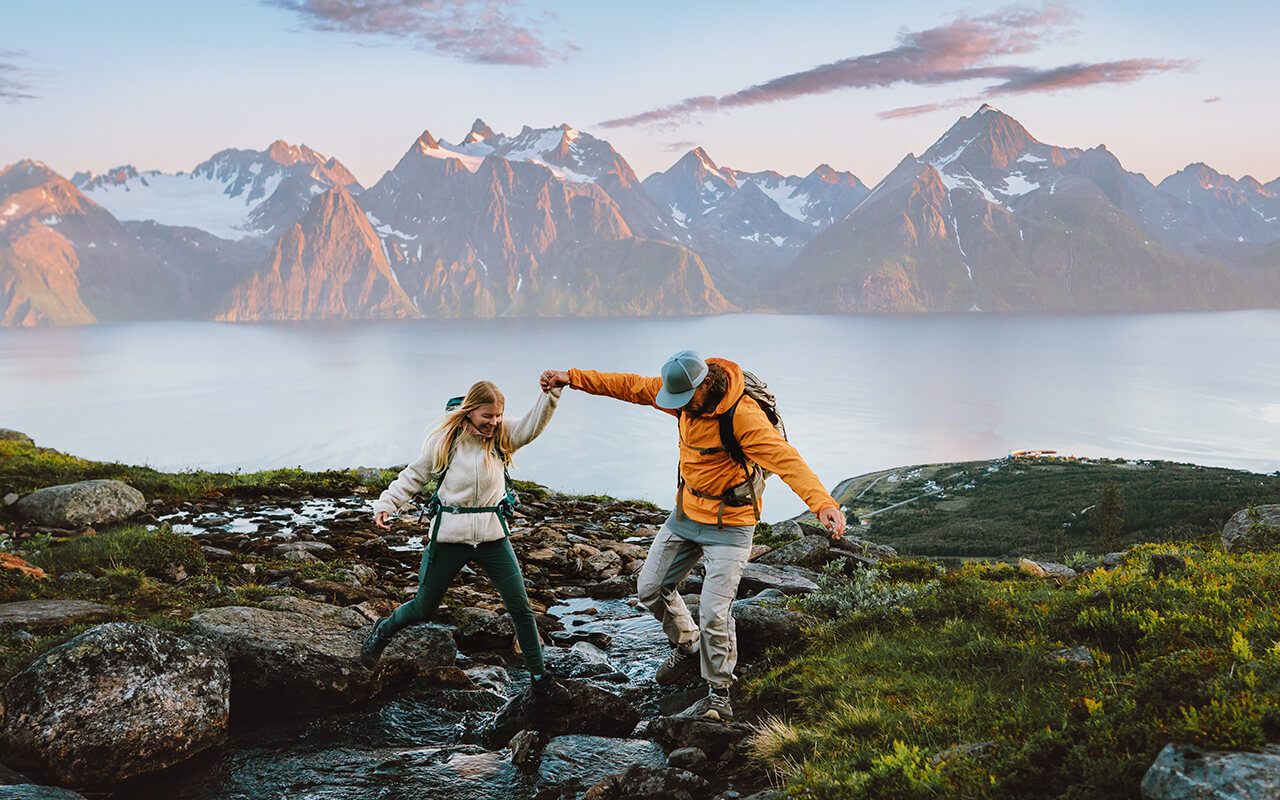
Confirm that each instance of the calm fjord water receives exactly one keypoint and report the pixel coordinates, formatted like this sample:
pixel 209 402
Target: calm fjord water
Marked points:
pixel 858 393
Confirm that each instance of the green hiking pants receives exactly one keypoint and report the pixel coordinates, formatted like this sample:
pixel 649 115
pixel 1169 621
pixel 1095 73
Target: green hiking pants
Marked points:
pixel 441 561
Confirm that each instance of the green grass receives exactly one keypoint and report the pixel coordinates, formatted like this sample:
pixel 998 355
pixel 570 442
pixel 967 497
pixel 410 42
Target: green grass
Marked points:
pixel 917 666
pixel 25 468
pixel 150 552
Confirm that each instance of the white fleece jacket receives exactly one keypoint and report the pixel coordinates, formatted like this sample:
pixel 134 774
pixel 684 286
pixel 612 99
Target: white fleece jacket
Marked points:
pixel 472 481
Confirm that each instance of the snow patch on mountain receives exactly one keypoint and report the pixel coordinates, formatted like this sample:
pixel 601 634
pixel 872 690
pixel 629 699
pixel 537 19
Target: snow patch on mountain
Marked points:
pixel 181 200
pixel 784 194
pixel 1017 185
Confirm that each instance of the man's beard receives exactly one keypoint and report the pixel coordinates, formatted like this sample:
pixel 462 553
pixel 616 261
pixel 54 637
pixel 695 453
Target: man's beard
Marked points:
pixel 707 406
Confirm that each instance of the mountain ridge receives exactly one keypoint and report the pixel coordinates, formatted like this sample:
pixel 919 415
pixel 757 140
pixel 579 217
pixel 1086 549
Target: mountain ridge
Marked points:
pixel 554 221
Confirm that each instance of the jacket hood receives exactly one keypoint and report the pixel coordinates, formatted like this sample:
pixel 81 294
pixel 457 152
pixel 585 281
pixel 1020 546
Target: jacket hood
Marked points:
pixel 737 385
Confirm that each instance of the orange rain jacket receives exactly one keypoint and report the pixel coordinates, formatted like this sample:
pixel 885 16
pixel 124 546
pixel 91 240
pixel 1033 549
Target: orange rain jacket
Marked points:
pixel 715 473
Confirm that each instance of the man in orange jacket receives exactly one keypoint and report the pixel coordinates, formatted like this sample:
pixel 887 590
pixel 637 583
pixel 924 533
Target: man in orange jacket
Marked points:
pixel 710 520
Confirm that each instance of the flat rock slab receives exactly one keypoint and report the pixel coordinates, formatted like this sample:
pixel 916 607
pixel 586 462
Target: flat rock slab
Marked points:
pixel 50 613
pixel 788 580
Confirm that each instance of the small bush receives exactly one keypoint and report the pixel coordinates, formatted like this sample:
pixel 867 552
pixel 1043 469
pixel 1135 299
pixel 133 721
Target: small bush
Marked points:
pixel 838 597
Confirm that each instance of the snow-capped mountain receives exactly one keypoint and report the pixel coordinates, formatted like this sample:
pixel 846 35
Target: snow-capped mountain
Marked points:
pixel 1241 210
pixel 551 221
pixel 989 218
pixel 554 222
pixel 760 219
pixel 234 195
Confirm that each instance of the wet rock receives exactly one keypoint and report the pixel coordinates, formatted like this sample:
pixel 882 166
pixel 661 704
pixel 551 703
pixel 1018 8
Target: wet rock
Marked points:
pixel 1248 531
pixel 496 633
pixel 602 565
pixel 1186 772
pixel 148 698
pixel 489 676
pixel 640 782
pixel 570 764
pixel 591 711
pixel 618 586
pixel 76 505
pixel 286 661
pixel 809 552
pixel 52 613
pixel 445 678
pixel 600 639
pixel 688 758
pixel 788 580
pixel 718 740
pixel 32 792
pixel 525 747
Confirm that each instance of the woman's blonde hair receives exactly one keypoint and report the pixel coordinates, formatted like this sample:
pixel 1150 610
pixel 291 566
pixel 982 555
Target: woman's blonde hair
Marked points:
pixel 481 393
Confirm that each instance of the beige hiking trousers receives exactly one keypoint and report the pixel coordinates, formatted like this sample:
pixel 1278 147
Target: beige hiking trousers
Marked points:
pixel 670 560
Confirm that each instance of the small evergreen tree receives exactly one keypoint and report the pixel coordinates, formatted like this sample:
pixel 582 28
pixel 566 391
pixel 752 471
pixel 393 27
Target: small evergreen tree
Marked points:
pixel 1108 516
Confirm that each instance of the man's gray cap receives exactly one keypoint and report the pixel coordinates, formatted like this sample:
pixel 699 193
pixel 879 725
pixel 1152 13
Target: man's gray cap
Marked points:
pixel 681 375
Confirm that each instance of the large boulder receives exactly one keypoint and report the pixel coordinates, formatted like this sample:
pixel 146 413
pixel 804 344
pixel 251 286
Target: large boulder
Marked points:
pixel 590 711
pixel 77 505
pixel 119 700
pixel 1247 527
pixel 809 552
pixel 287 661
pixel 1185 772
pixel 54 613
pixel 761 627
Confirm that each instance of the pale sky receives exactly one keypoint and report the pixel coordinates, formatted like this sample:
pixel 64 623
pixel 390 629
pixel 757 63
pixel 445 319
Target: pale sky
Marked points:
pixel 89 85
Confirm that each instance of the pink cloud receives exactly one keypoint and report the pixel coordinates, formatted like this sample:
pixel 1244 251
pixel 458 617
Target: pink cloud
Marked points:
pixel 962 50
pixel 479 31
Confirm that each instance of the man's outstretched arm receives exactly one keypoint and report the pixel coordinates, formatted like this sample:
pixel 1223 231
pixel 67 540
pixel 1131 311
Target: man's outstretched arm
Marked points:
pixel 618 385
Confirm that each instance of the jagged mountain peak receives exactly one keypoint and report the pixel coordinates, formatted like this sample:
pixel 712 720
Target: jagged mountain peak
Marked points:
pixel 479 132
pixel 426 142
pixel 285 154
pixel 988 135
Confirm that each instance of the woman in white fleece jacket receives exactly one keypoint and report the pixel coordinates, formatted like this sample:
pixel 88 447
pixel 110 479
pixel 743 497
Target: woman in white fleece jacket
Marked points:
pixel 472 447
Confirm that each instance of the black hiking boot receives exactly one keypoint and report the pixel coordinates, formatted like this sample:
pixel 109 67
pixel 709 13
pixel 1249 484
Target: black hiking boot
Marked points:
pixel 375 643
pixel 548 687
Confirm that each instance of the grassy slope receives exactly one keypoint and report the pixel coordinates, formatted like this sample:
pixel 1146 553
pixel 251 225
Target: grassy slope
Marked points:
pixel 1037 507
pixel 910 671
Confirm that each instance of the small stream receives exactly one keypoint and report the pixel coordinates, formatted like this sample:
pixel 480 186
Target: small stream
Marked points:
pixel 420 743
